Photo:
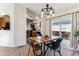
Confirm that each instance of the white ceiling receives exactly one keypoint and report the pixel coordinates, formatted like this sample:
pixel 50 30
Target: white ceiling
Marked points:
pixel 59 7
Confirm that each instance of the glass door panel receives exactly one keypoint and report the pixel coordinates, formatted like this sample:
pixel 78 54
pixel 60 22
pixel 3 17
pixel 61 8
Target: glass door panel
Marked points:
pixel 61 26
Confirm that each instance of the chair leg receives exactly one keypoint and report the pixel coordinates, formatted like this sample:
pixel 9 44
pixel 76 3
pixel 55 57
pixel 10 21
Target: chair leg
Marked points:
pixel 35 53
pixel 54 52
pixel 28 52
pixel 59 53
pixel 47 49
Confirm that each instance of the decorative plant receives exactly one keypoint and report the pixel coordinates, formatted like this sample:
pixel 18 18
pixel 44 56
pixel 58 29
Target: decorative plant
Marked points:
pixel 46 35
pixel 77 33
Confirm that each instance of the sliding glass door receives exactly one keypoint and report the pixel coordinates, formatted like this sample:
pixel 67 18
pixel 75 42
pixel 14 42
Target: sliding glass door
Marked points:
pixel 62 27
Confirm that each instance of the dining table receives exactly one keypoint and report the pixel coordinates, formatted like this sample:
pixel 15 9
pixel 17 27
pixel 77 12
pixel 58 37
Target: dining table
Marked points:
pixel 41 40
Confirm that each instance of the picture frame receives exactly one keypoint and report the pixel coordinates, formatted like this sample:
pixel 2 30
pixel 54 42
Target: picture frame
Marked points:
pixel 4 22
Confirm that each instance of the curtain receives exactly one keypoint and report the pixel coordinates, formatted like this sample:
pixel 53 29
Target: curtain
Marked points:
pixel 75 27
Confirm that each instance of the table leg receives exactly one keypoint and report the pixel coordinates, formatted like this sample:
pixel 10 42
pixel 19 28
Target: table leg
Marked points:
pixel 41 49
pixel 44 48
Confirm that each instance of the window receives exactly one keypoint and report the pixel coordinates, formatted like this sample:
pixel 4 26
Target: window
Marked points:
pixel 61 27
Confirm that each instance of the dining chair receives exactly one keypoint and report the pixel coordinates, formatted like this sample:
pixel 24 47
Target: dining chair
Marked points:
pixel 36 48
pixel 55 46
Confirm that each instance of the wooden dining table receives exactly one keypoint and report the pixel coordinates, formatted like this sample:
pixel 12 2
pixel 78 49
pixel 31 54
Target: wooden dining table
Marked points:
pixel 41 40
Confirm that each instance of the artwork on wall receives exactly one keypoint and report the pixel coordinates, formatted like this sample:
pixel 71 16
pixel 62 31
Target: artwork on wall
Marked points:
pixel 4 22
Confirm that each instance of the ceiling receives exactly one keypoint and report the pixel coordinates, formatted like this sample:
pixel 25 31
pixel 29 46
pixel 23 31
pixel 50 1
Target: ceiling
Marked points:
pixel 59 7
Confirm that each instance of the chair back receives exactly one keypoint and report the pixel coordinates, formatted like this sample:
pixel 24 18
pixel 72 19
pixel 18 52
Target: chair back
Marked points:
pixel 57 43
pixel 39 34
pixel 33 33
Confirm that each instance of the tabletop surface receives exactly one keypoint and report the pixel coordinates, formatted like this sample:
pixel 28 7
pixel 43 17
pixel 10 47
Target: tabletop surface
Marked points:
pixel 40 39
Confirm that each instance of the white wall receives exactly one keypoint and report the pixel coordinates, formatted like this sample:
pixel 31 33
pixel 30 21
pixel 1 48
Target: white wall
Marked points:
pixel 20 25
pixel 43 26
pixel 48 32
pixel 16 36
pixel 7 36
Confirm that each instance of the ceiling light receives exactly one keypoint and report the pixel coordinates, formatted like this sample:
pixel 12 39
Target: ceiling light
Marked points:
pixel 47 11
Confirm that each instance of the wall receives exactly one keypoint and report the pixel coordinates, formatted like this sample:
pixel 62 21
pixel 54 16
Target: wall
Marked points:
pixel 16 36
pixel 48 26
pixel 20 25
pixel 7 36
pixel 43 26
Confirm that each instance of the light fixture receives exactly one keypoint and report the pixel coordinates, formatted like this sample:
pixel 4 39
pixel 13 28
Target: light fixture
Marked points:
pixel 47 11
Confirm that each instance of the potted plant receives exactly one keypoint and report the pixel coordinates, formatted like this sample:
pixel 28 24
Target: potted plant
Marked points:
pixel 76 34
